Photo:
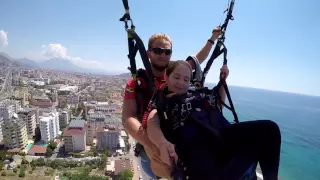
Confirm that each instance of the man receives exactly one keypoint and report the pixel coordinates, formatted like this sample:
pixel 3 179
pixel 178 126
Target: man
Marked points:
pixel 159 52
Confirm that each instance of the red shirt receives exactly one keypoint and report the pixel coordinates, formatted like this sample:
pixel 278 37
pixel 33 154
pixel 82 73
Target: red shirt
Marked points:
pixel 130 93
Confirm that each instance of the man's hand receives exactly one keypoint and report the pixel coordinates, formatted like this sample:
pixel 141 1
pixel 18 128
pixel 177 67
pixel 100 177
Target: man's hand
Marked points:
pixel 225 71
pixel 167 153
pixel 216 33
pixel 158 167
pixel 152 151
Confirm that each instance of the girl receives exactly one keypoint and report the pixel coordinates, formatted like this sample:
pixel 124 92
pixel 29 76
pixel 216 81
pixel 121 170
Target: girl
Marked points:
pixel 204 151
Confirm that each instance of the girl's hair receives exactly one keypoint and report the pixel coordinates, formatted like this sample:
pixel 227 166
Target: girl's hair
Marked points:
pixel 174 64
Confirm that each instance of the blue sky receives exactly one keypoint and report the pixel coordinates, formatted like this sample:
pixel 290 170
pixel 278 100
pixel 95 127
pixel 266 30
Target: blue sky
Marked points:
pixel 272 44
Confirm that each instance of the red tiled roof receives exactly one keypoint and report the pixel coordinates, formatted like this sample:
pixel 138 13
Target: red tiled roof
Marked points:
pixel 38 149
pixel 42 103
pixel 73 131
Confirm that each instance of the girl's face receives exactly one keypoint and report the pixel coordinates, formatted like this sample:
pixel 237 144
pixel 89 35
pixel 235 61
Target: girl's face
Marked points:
pixel 179 80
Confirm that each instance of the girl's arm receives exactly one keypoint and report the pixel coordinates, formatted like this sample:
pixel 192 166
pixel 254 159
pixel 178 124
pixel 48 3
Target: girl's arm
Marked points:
pixel 153 129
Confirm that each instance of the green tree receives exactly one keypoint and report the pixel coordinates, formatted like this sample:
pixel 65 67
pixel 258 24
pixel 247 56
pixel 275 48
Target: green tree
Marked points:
pixel 103 162
pixel 24 161
pixel 52 145
pixel 1 165
pixel 49 152
pixel 22 173
pixel 94 150
pixel 106 152
pixel 126 174
pixel 3 155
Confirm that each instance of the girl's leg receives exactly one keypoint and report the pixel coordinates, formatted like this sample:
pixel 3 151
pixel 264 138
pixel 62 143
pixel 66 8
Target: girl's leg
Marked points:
pixel 248 142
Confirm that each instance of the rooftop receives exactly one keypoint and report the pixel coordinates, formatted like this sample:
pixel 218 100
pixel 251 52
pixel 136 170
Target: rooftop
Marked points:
pixel 77 124
pixel 38 149
pixel 45 118
pixel 71 132
pixel 120 165
pixel 97 115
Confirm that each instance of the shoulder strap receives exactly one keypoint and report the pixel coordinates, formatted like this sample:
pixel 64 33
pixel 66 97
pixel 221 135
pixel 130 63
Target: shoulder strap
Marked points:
pixel 141 81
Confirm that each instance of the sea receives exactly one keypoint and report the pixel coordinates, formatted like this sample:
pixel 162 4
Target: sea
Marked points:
pixel 298 117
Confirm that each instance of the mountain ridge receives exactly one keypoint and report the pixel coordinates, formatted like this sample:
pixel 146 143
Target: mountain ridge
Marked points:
pixel 54 63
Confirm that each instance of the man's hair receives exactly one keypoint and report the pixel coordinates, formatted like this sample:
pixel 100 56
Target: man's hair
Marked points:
pixel 158 36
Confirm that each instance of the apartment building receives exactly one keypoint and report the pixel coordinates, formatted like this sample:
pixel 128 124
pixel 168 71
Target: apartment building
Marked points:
pixel 8 107
pixel 95 121
pixel 75 136
pixel 63 119
pixel 45 112
pixel 72 98
pixel 49 127
pixel 93 105
pixel 15 133
pixel 29 116
pixel 108 138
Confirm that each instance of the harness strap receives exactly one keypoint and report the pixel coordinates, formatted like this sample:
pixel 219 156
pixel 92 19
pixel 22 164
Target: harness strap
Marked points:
pixel 217 50
pixel 157 94
pixel 223 83
pixel 149 109
pixel 135 44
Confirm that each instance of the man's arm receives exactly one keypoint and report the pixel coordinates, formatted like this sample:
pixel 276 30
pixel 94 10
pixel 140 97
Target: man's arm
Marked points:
pixel 204 52
pixel 129 113
pixel 131 124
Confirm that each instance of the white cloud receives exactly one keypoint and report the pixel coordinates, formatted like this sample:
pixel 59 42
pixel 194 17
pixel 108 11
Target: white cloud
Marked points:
pixel 61 52
pixel 3 39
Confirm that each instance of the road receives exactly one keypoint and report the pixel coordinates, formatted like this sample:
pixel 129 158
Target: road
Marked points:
pixel 6 85
pixel 137 162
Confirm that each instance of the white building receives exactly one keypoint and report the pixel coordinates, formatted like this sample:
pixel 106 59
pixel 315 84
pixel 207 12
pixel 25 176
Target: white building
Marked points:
pixel 8 107
pixel 49 126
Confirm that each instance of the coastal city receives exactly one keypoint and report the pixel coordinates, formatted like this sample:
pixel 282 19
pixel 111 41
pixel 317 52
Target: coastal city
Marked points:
pixel 63 125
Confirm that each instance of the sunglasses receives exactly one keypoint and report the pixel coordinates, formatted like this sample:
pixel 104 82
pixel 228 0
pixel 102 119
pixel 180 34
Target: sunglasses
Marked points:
pixel 159 51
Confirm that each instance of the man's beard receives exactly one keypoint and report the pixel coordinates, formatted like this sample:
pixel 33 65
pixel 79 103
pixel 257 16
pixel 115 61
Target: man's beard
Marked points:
pixel 159 68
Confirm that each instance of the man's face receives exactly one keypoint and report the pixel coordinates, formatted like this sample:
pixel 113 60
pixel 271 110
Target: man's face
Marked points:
pixel 160 54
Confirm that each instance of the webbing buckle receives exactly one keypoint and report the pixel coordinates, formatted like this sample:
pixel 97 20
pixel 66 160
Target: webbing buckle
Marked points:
pixel 126 18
